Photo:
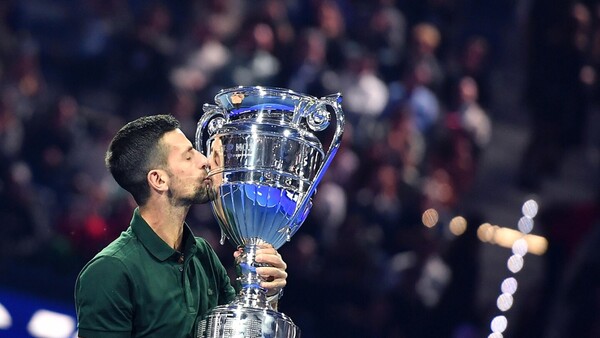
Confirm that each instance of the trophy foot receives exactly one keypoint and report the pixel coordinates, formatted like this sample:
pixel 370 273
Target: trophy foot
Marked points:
pixel 236 321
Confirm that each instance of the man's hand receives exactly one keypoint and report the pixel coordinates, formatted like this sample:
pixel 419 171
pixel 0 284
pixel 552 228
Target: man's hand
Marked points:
pixel 273 276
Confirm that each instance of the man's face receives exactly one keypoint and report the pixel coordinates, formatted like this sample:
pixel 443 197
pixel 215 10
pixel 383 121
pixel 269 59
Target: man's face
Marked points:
pixel 187 169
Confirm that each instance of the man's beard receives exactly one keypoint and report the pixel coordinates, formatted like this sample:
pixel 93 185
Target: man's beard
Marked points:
pixel 202 195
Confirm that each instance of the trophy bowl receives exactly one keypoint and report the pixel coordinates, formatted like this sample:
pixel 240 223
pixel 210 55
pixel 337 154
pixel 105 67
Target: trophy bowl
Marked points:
pixel 266 164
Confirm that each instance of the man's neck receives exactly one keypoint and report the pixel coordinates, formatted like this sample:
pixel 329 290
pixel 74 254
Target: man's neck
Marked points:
pixel 166 221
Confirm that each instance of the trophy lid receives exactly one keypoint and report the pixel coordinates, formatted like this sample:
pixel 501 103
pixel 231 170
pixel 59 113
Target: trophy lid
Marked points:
pixel 283 105
pixel 247 96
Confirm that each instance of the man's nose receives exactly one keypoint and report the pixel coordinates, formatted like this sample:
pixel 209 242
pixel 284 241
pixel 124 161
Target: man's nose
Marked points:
pixel 203 161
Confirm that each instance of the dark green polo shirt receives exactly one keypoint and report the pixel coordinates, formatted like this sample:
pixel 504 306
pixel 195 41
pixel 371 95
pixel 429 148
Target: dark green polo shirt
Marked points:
pixel 138 287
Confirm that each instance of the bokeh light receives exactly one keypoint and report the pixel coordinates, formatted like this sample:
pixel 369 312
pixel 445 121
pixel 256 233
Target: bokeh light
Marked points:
pixel 458 225
pixel 530 208
pixel 499 324
pixel 504 302
pixel 515 263
pixel 520 247
pixel 5 318
pixel 485 232
pixel 525 224
pixel 509 285
pixel 430 218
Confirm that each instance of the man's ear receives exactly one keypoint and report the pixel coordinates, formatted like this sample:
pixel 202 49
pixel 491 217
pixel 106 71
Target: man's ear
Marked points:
pixel 158 179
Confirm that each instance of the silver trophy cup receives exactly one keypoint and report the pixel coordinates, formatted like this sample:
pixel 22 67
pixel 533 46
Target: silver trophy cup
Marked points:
pixel 265 167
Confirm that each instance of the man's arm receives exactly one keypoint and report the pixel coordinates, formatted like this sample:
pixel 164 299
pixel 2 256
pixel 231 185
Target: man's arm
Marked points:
pixel 103 300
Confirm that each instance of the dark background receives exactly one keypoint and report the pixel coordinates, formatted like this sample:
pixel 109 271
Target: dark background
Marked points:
pixel 467 107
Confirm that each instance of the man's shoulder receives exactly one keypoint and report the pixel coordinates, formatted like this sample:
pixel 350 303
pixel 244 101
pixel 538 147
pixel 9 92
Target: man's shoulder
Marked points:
pixel 116 254
pixel 121 247
pixel 201 243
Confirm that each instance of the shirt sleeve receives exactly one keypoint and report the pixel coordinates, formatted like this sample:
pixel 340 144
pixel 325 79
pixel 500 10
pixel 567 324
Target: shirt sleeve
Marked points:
pixel 227 292
pixel 103 299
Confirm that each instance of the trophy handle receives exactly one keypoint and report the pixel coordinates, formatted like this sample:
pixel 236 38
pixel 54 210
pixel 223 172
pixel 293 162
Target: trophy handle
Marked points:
pixel 213 118
pixel 334 101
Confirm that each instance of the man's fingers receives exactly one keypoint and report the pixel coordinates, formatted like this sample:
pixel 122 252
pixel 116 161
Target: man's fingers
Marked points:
pixel 277 284
pixel 272 260
pixel 269 273
pixel 267 251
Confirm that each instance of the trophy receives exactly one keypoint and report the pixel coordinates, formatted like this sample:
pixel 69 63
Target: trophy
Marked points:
pixel 265 167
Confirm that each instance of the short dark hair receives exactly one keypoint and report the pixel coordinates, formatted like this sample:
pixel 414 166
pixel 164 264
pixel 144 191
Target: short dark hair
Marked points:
pixel 135 150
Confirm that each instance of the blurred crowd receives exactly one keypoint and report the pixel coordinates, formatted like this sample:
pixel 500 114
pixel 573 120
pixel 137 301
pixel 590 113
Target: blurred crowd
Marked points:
pixel 416 81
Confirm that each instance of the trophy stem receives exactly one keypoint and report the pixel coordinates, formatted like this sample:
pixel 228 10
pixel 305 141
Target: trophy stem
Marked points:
pixel 252 294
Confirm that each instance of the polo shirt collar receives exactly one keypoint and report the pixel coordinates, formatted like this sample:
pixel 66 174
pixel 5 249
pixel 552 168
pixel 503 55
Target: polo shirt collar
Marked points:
pixel 154 244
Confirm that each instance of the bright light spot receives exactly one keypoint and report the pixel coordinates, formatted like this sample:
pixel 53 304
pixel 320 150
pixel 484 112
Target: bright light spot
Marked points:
pixel 530 208
pixel 525 224
pixel 49 324
pixel 509 285
pixel 504 301
pixel 506 237
pixel 499 324
pixel 483 232
pixel 515 263
pixel 286 133
pixel 537 244
pixel 520 247
pixel 492 234
pixel 5 318
pixel 430 218
pixel 458 225
pixel 495 335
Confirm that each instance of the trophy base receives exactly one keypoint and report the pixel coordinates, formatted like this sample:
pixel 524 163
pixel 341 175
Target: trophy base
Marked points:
pixel 236 321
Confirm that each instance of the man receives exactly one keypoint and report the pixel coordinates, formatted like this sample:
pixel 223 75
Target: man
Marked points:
pixel 157 279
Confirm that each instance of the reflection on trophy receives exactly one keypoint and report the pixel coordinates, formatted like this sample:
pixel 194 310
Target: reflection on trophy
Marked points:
pixel 265 166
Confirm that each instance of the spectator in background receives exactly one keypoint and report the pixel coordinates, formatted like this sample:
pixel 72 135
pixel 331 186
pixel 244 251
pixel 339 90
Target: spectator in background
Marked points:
pixel 555 93
pixel 473 61
pixel 309 69
pixel 420 100
pixel 386 37
pixel 24 213
pixel 254 59
pixel 142 62
pixel 332 23
pixel 366 95
pixel 470 116
pixel 12 131
pixel 425 40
